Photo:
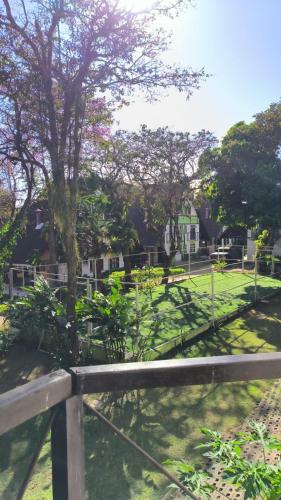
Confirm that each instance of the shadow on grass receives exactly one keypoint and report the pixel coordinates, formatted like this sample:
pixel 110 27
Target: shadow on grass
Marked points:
pixel 166 423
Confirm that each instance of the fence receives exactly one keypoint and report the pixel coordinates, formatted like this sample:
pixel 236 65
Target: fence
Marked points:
pixel 185 306
pixel 62 393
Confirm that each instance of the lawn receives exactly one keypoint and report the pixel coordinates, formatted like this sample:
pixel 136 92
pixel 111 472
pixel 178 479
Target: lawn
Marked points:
pixel 165 422
pixel 175 315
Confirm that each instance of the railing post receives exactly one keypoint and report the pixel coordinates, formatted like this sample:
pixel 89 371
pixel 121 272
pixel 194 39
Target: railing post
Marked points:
pixel 256 291
pixel 68 454
pixel 11 283
pixel 213 297
pixel 272 265
pixel 89 296
pixel 137 296
pixel 95 273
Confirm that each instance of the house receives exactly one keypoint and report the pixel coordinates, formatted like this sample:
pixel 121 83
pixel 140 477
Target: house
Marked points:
pixel 150 248
pixel 210 229
pixel 188 227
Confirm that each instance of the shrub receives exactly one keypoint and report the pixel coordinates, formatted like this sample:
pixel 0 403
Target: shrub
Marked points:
pixel 3 309
pixel 147 276
pixel 40 320
pixel 219 266
pixel 176 270
pixel 115 322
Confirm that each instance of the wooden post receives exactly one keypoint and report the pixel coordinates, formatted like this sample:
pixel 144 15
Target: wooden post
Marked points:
pixel 243 259
pixel 68 454
pixel 189 262
pixel 34 274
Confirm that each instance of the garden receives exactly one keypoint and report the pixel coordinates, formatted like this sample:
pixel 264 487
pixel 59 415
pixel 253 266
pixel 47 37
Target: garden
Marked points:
pixel 145 322
pixel 113 470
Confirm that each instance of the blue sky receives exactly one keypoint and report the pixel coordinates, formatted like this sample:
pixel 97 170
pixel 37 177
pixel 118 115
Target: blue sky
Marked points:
pixel 239 43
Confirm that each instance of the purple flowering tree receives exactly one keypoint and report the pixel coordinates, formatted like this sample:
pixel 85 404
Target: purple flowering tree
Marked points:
pixel 70 60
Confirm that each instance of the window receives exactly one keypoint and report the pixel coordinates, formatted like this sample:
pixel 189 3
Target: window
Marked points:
pixel 192 233
pixel 91 266
pixel 192 247
pixel 114 263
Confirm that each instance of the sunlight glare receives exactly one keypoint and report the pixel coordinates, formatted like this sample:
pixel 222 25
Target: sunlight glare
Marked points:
pixel 137 5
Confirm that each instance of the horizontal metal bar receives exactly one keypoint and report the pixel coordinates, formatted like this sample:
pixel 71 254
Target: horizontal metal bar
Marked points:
pixel 31 399
pixel 169 373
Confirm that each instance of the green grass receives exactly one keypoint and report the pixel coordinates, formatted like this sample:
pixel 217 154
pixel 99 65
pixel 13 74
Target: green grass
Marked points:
pixel 165 422
pixel 232 290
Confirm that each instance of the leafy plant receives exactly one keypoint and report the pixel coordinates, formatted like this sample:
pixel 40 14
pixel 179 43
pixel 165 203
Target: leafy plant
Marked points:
pixel 219 266
pixel 257 480
pixel 195 480
pixel 116 322
pixel 40 319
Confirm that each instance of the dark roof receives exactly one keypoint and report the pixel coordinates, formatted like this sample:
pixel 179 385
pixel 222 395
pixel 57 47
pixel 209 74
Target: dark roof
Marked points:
pixel 209 227
pixel 148 236
pixel 235 232
pixel 33 241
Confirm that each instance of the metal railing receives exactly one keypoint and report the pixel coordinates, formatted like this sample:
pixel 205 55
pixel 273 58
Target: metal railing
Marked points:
pixel 63 392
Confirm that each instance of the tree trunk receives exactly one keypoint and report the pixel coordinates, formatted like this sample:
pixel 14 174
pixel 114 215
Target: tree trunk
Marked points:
pixel 51 232
pixel 72 264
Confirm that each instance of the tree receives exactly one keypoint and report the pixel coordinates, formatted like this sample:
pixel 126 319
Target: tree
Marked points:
pixel 17 177
pixel 65 56
pixel 103 224
pixel 162 164
pixel 243 176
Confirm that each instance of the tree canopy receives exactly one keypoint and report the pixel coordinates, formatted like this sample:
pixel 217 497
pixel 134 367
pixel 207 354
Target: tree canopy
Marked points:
pixel 242 177
pixel 63 65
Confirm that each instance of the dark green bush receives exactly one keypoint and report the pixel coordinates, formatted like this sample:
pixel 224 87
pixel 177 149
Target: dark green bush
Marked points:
pixel 40 320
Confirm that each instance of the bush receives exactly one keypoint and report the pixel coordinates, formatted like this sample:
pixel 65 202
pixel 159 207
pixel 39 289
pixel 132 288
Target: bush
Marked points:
pixel 115 323
pixel 3 309
pixel 40 320
pixel 219 266
pixel 173 271
pixel 147 276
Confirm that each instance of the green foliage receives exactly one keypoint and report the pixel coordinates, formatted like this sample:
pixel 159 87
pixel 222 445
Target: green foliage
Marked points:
pixel 173 271
pixel 219 266
pixel 146 276
pixel 9 235
pixel 40 319
pixel 102 222
pixel 242 177
pixel 263 239
pixel 257 480
pixel 195 480
pixel 3 309
pixel 116 323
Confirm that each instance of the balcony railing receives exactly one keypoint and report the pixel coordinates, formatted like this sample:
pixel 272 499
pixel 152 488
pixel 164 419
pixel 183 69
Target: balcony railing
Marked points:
pixel 62 392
